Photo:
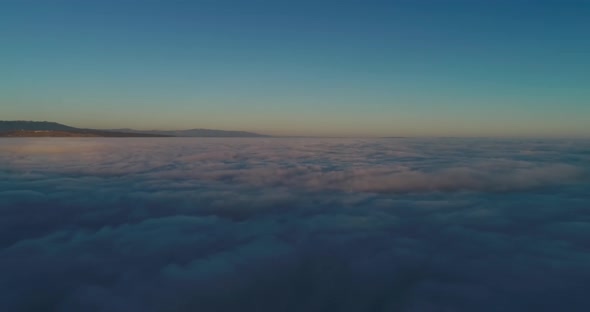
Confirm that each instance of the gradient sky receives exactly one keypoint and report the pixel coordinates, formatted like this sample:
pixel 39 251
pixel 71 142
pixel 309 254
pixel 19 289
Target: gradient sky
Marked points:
pixel 346 68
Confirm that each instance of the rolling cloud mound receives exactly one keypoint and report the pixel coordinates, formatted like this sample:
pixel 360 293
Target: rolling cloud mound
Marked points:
pixel 268 224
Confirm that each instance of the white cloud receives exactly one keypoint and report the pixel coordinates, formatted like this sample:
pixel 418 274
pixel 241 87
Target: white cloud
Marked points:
pixel 293 225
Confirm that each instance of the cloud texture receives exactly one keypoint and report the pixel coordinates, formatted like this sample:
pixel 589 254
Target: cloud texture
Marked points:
pixel 294 225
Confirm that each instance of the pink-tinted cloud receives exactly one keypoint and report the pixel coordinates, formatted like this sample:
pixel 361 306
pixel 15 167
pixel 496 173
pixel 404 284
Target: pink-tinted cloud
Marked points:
pixel 294 225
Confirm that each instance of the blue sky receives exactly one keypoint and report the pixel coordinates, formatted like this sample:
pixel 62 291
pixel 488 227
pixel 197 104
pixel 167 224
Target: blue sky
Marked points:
pixel 347 68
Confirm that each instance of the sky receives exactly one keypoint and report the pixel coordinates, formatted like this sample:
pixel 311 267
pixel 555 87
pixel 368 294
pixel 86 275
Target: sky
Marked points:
pixel 337 68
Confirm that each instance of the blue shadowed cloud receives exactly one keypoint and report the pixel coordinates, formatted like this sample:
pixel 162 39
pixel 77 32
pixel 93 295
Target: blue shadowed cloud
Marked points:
pixel 294 225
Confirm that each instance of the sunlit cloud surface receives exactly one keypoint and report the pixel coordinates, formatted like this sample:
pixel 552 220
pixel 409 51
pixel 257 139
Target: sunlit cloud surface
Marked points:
pixel 294 225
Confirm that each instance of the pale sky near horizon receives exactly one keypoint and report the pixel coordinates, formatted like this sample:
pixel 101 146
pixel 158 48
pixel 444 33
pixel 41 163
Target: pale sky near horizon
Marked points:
pixel 343 68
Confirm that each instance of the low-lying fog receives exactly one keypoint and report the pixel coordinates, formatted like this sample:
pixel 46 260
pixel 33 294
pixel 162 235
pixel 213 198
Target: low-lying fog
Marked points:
pixel 294 225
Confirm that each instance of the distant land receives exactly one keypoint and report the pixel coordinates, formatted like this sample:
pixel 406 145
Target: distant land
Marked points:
pixel 21 128
pixel 194 133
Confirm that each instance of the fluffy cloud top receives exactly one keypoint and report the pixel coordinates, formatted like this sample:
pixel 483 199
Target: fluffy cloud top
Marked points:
pixel 294 225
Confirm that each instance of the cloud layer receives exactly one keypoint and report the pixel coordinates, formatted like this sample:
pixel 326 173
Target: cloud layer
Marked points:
pixel 294 225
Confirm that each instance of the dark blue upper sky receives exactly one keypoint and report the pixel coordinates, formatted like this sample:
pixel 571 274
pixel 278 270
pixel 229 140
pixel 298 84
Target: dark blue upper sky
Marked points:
pixel 301 67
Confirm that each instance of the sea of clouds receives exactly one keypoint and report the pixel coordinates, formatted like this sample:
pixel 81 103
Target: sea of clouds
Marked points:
pixel 269 224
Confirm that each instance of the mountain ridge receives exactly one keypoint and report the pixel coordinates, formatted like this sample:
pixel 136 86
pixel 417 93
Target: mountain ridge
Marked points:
pixel 196 132
pixel 25 128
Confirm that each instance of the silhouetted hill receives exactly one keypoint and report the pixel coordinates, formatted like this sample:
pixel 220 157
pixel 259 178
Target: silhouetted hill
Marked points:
pixel 21 125
pixel 53 129
pixel 196 133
